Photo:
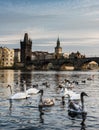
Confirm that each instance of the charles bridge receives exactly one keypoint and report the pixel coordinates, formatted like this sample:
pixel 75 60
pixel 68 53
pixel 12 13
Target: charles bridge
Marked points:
pixel 76 62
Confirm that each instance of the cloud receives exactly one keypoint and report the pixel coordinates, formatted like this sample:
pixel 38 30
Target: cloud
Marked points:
pixel 76 22
pixel 42 35
pixel 10 39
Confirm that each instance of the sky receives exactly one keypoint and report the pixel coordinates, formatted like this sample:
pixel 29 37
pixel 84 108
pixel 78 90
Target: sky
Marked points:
pixel 75 22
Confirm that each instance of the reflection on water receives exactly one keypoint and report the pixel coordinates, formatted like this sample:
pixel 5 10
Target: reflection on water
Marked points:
pixel 83 125
pixel 10 107
pixel 41 115
pixel 6 76
pixel 25 114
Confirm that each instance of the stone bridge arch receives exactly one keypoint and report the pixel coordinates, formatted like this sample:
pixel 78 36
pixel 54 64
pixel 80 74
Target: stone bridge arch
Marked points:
pixel 88 60
pixel 90 64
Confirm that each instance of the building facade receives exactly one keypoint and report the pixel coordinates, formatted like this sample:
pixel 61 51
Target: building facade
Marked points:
pixel 17 55
pixel 76 55
pixel 6 57
pixel 26 49
pixel 41 55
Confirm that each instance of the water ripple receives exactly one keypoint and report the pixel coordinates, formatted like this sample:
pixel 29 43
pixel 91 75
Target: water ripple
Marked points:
pixel 25 114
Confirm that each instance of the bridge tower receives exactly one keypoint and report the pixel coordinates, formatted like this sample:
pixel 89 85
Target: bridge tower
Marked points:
pixel 58 50
pixel 26 49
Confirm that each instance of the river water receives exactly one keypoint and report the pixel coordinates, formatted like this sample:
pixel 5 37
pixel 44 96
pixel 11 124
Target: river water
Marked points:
pixel 24 114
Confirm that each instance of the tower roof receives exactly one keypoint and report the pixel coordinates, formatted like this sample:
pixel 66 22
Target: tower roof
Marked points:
pixel 58 43
pixel 26 37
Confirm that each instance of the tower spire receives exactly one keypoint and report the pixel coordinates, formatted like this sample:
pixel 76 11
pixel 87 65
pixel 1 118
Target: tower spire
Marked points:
pixel 58 42
pixel 26 37
pixel 58 49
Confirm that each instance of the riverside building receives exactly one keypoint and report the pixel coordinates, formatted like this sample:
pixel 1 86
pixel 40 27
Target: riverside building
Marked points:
pixel 6 57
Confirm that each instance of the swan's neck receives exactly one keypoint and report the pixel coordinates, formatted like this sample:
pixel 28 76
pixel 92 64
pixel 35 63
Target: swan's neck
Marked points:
pixel 66 90
pixel 25 88
pixel 41 97
pixel 10 89
pixel 82 102
pixel 63 102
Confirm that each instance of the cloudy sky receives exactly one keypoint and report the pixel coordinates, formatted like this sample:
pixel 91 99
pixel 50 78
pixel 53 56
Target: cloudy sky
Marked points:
pixel 75 22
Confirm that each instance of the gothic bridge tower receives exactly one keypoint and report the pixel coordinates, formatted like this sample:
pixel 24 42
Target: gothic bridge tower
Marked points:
pixel 58 50
pixel 26 49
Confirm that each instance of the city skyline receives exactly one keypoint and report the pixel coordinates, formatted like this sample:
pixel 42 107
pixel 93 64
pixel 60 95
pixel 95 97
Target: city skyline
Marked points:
pixel 75 22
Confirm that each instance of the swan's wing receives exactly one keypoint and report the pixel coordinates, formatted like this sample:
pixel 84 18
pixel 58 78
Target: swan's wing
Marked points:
pixel 69 92
pixel 75 96
pixel 48 102
pixel 32 91
pixel 18 96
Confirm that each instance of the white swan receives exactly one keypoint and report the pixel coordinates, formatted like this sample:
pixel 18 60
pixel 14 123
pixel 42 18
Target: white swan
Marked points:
pixel 71 94
pixel 74 96
pixel 75 108
pixel 19 95
pixel 46 102
pixel 32 91
pixel 66 92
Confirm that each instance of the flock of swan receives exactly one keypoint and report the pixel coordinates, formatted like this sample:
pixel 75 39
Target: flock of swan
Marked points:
pixel 27 93
pixel 75 100
pixel 24 94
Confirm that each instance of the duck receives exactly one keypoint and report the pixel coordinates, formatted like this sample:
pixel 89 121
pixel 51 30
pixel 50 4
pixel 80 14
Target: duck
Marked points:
pixel 35 85
pixel 45 102
pixel 19 95
pixel 46 84
pixel 91 77
pixel 66 83
pixel 74 108
pixel 82 82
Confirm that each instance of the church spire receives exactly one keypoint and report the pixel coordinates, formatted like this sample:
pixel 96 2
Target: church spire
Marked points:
pixel 58 49
pixel 58 42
